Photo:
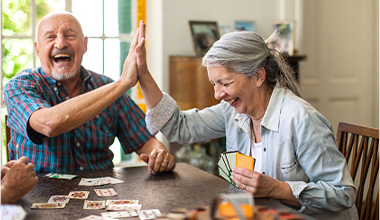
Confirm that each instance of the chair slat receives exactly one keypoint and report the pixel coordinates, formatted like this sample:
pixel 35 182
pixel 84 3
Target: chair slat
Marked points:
pixel 360 146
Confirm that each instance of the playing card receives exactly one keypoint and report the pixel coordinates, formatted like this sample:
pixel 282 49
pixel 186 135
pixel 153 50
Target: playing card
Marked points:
pixel 79 194
pixel 96 217
pixel 48 205
pixel 59 199
pixel 12 212
pixel 110 180
pixel 90 182
pixel 124 207
pixel 62 176
pixel 124 214
pixel 105 192
pixel 149 214
pixel 49 175
pixel 94 204
pixel 245 161
pixel 224 169
pixel 120 202
pixel 231 159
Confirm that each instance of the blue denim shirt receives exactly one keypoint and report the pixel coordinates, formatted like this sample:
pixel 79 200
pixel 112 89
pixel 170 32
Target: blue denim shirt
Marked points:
pixel 299 147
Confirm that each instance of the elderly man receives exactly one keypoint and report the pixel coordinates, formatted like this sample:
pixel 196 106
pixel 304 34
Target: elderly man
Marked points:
pixel 64 117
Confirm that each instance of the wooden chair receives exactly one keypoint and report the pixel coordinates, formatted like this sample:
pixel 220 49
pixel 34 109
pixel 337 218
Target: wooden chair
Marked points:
pixel 360 146
pixel 7 136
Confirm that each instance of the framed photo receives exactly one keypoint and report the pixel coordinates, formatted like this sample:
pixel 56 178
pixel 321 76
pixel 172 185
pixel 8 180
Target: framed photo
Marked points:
pixel 284 38
pixel 204 34
pixel 245 25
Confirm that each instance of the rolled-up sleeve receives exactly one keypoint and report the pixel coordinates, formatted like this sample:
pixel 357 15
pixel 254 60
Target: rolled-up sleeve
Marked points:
pixel 158 116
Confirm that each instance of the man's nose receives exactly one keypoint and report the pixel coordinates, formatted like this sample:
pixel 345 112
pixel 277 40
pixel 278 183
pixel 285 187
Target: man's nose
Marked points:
pixel 60 42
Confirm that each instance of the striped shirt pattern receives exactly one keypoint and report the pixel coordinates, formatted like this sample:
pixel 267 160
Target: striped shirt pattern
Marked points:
pixel 83 148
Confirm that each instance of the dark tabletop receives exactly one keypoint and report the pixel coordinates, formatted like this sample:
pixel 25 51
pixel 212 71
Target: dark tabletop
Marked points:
pixel 185 187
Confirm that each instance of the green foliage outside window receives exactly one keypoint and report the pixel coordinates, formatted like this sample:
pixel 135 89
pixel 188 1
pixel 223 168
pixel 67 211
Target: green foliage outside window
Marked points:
pixel 16 17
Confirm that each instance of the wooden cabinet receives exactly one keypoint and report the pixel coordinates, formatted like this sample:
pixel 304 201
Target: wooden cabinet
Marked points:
pixel 189 83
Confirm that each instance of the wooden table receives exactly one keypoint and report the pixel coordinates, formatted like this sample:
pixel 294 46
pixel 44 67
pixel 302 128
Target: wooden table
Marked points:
pixel 185 187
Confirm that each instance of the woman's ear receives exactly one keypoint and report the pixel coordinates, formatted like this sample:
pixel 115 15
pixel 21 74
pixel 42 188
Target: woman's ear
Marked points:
pixel 260 76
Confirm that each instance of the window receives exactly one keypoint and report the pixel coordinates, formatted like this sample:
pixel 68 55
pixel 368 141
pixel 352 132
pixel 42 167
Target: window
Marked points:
pixel 109 25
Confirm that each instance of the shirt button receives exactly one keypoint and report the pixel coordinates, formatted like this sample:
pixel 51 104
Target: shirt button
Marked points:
pixel 81 168
pixel 55 89
pixel 58 84
pixel 107 131
pixel 265 149
pixel 78 144
pixel 67 98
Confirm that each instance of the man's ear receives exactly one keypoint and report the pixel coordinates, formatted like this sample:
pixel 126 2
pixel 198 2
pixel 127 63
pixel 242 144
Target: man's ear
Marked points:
pixel 36 47
pixel 85 44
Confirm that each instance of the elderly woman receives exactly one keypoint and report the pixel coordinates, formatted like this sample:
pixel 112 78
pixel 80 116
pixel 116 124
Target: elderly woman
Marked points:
pixel 262 115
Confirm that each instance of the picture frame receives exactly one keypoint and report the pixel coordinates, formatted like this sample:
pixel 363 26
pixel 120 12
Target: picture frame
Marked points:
pixel 284 38
pixel 245 25
pixel 204 34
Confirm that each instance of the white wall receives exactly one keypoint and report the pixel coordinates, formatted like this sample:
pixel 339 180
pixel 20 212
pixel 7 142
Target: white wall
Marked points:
pixel 168 31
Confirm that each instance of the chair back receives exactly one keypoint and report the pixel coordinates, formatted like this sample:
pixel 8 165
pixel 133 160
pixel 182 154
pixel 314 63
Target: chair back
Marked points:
pixel 7 136
pixel 360 146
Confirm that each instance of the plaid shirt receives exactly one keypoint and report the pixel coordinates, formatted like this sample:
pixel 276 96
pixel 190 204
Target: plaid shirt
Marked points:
pixel 83 148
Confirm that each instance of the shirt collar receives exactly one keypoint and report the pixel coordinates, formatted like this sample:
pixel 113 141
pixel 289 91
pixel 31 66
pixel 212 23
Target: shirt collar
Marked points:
pixel 271 119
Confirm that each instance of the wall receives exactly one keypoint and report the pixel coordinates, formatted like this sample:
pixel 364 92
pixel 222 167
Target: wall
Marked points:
pixel 169 33
pixel 375 100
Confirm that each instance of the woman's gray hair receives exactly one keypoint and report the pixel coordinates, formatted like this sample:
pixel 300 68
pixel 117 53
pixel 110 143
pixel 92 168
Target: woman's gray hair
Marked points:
pixel 246 52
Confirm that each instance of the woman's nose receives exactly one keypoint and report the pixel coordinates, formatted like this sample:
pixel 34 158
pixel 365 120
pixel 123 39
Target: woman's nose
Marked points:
pixel 218 93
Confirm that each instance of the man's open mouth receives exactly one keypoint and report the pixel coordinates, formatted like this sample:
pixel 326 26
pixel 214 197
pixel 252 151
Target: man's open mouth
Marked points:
pixel 61 57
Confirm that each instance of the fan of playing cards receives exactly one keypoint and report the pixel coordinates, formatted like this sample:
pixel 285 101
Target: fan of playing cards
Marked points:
pixel 231 159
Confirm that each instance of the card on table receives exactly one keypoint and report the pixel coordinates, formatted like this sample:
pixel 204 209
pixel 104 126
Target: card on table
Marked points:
pixel 105 192
pixel 59 199
pixel 48 205
pixel 121 202
pixel 96 217
pixel 229 160
pixel 124 214
pixel 94 204
pixel 99 181
pixel 124 207
pixel 149 214
pixel 110 180
pixel 61 176
pixel 90 182
pixel 78 194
